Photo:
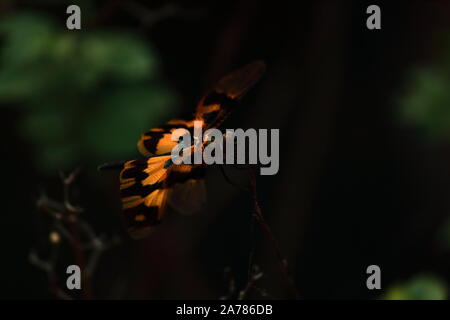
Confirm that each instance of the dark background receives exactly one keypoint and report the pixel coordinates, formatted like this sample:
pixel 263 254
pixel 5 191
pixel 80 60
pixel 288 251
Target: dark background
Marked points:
pixel 364 177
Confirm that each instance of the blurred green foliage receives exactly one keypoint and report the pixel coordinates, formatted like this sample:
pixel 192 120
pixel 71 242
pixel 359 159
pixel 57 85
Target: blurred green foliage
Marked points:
pixel 426 103
pixel 421 287
pixel 84 96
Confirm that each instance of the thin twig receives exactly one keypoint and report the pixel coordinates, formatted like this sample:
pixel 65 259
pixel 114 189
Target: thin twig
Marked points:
pixel 117 165
pixel 67 184
pixel 49 268
pixel 252 247
pixel 74 229
pixel 68 224
pixel 282 262
pixel 254 277
pixel 231 284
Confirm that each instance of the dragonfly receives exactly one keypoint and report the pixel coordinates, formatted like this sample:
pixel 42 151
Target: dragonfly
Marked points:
pixel 149 186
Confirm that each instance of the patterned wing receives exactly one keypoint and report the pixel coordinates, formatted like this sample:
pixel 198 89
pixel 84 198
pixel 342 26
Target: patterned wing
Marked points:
pixel 187 192
pixel 143 193
pixel 147 186
pixel 217 104
pixel 158 141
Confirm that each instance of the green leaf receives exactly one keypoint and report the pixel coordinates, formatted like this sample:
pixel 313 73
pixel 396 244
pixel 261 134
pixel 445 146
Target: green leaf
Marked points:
pixel 422 287
pixel 15 84
pixel 28 36
pixel 120 56
pixel 123 115
pixel 88 96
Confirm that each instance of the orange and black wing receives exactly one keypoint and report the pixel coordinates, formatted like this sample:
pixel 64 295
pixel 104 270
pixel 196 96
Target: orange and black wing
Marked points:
pixel 158 141
pixel 148 186
pixel 217 104
pixel 143 193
